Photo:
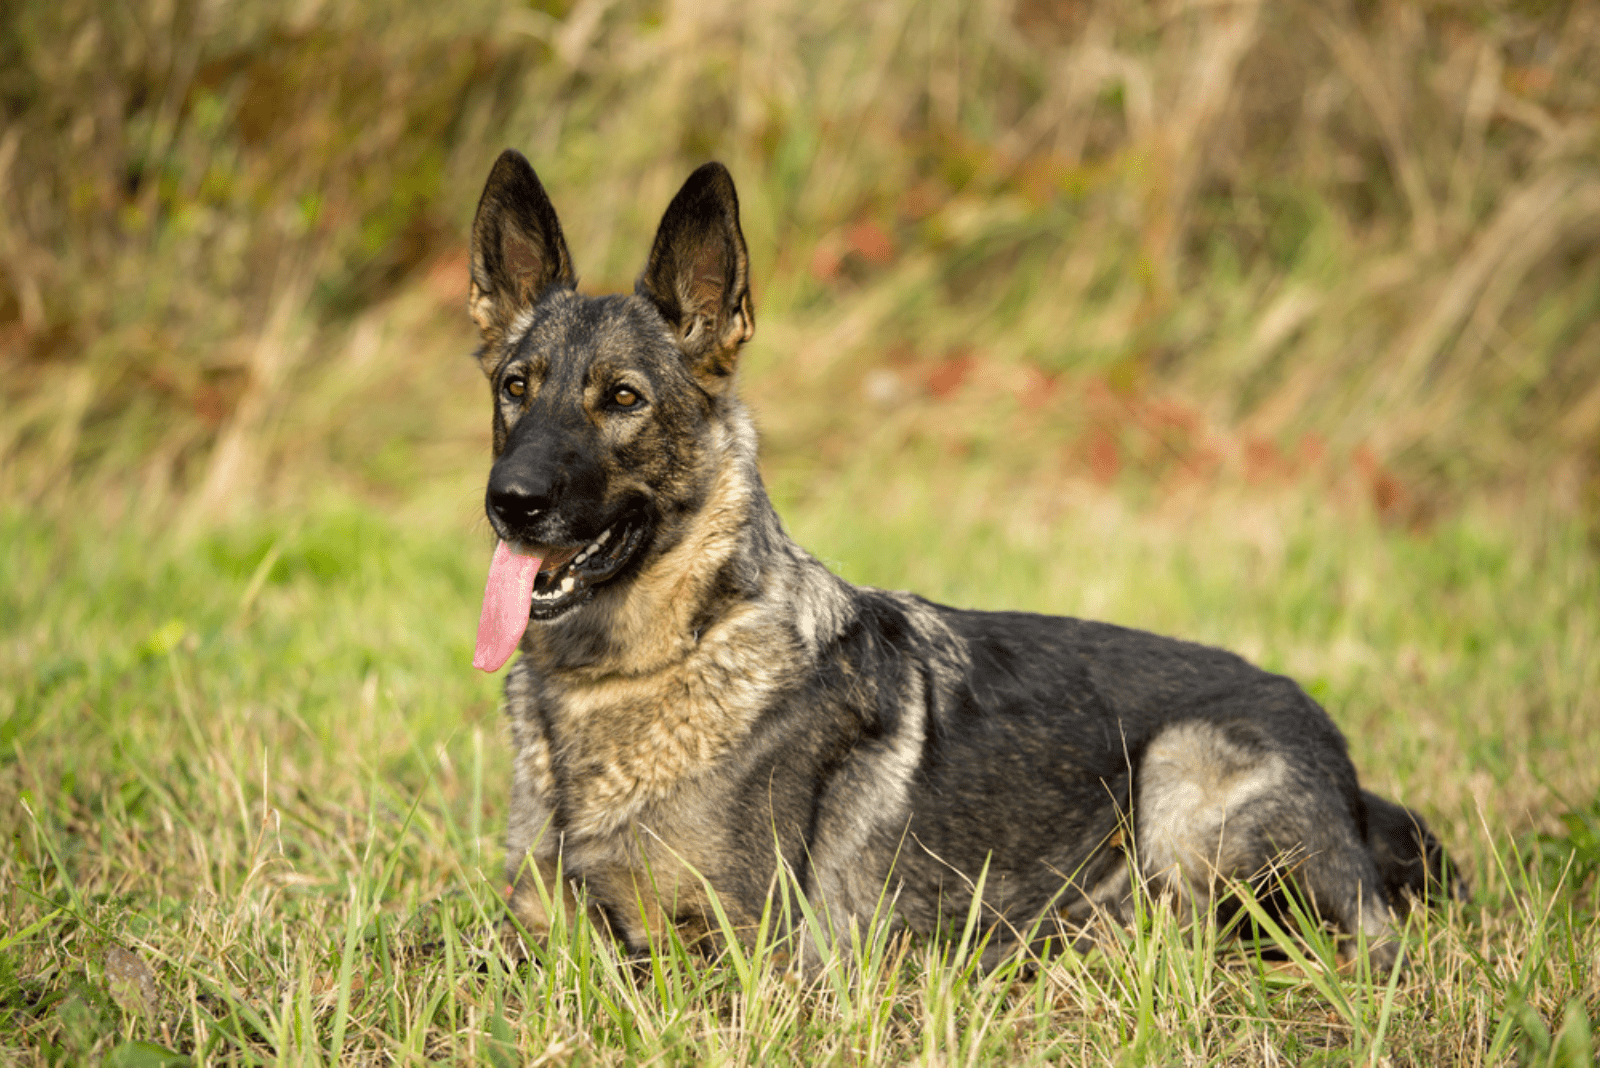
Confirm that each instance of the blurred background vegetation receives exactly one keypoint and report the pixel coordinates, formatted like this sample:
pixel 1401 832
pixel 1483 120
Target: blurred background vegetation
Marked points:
pixel 1353 245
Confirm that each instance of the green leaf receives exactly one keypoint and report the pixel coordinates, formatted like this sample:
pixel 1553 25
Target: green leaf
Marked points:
pixel 164 639
pixel 143 1055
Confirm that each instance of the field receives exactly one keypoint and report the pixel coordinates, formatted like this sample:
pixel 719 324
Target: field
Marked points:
pixel 1275 327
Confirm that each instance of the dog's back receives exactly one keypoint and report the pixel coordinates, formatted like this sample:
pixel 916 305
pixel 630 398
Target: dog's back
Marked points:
pixel 1043 752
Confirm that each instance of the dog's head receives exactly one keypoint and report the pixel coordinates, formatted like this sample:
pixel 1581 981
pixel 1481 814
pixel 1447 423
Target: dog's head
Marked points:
pixel 602 405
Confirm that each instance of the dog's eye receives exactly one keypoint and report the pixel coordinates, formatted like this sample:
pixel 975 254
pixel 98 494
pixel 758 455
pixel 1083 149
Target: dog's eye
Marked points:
pixel 623 397
pixel 515 387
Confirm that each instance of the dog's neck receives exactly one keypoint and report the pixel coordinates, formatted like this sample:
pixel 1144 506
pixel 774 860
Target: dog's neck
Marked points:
pixel 728 566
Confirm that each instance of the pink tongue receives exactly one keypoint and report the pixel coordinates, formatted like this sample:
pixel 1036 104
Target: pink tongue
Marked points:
pixel 506 601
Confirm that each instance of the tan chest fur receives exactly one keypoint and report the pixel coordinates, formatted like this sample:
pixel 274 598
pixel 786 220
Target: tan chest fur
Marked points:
pixel 629 746
pixel 641 759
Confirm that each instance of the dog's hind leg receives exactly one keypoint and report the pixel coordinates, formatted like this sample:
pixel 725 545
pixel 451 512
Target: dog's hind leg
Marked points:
pixel 1337 873
pixel 1215 805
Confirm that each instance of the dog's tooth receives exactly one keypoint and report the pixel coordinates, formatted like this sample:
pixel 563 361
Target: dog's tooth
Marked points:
pixel 568 584
pixel 604 534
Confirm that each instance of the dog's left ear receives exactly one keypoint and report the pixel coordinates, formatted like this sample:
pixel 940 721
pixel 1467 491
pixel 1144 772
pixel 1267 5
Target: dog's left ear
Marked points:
pixel 698 276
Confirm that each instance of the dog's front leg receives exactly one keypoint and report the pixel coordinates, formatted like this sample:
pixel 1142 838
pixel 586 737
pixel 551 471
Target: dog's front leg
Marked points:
pixel 541 897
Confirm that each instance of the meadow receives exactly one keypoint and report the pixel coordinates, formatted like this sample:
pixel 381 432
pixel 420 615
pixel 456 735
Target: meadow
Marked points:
pixel 1275 327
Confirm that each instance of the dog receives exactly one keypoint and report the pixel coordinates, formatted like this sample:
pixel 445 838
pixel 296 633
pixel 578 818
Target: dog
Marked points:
pixel 702 709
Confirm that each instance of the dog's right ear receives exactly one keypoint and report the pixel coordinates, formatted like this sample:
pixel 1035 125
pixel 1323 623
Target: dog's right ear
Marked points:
pixel 517 248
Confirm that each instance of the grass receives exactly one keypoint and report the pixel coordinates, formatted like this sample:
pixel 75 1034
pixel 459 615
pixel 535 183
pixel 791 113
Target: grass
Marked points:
pixel 258 763
pixel 1273 326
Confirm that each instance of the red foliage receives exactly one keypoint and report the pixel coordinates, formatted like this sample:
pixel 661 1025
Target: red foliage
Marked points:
pixel 1105 459
pixel 949 375
pixel 872 243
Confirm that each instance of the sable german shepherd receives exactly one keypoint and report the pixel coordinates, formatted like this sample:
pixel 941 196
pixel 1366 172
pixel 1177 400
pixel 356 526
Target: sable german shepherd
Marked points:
pixel 699 700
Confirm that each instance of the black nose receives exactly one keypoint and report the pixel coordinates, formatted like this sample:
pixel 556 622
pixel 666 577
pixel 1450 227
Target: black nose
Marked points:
pixel 519 496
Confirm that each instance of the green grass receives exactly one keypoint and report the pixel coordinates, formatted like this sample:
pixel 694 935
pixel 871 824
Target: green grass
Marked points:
pixel 258 761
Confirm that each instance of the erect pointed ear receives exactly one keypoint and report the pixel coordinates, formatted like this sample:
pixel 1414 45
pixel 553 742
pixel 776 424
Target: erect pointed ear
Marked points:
pixel 517 248
pixel 698 276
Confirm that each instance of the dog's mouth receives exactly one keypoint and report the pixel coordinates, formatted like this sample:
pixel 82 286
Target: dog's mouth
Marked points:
pixel 568 576
pixel 542 582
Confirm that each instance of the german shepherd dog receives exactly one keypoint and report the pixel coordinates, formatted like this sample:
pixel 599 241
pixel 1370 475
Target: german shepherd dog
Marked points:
pixel 699 701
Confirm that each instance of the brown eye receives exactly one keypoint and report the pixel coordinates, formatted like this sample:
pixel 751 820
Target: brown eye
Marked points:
pixel 516 386
pixel 623 397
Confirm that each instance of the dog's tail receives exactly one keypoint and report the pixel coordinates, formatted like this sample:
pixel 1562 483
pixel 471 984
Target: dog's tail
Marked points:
pixel 1412 863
